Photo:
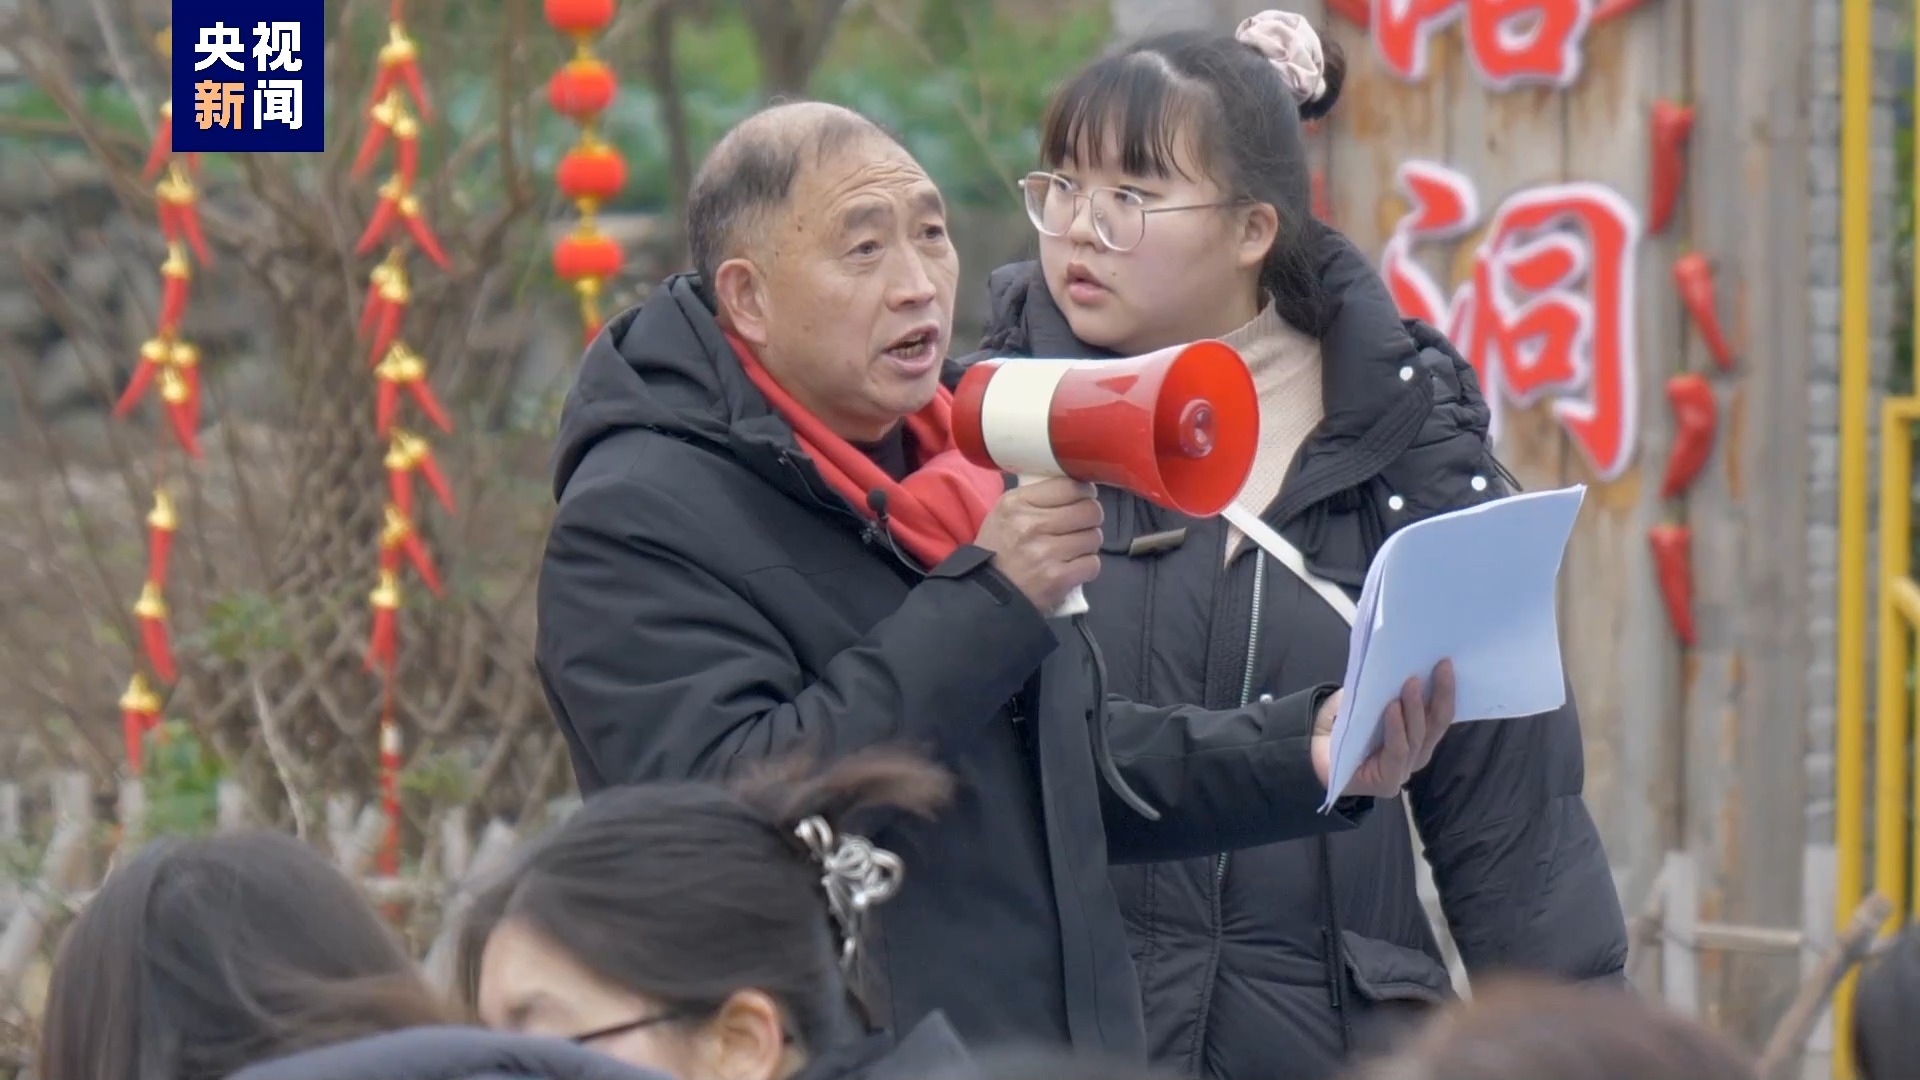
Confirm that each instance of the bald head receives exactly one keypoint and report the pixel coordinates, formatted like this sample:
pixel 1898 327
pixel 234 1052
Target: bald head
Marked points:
pixel 751 170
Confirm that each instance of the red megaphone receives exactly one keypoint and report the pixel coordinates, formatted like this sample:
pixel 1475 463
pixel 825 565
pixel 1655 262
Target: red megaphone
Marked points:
pixel 1178 426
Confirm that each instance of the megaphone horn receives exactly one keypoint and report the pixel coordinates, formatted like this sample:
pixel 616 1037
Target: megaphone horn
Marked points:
pixel 1178 427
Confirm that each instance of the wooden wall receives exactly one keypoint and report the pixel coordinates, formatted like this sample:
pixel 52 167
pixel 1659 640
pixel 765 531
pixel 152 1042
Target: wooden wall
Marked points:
pixel 1703 748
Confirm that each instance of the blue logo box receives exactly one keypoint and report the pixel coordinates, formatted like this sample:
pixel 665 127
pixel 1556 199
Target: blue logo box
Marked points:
pixel 249 77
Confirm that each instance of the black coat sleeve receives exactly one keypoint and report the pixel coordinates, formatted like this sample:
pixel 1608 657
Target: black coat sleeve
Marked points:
pixel 1221 780
pixel 658 669
pixel 1516 857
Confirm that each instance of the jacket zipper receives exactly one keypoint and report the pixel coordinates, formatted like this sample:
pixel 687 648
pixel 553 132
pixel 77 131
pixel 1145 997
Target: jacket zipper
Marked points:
pixel 1246 676
pixel 1220 860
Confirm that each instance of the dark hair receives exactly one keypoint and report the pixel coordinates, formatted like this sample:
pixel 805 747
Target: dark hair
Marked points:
pixel 1222 100
pixel 751 171
pixel 1885 1041
pixel 691 892
pixel 1530 1030
pixel 199 957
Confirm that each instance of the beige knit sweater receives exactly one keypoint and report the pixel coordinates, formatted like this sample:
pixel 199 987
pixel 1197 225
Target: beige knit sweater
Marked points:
pixel 1286 372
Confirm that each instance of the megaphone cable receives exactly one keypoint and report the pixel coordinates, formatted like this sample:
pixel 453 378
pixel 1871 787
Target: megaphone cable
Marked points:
pixel 1097 724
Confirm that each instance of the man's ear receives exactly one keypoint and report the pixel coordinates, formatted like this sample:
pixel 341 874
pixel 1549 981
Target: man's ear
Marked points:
pixel 741 295
pixel 1258 231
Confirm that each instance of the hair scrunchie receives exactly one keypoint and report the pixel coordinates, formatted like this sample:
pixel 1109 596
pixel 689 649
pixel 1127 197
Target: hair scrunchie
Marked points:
pixel 1291 45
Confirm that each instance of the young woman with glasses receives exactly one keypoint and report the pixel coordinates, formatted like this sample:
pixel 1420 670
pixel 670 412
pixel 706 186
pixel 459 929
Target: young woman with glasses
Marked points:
pixel 1173 204
pixel 709 932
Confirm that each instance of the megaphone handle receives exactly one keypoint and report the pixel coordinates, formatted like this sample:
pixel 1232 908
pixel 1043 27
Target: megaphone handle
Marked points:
pixel 1076 601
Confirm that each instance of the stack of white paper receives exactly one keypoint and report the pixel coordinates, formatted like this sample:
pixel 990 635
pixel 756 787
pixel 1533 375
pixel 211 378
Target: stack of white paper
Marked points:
pixel 1477 586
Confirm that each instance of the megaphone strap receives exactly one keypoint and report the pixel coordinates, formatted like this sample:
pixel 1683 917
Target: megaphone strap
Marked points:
pixel 1289 556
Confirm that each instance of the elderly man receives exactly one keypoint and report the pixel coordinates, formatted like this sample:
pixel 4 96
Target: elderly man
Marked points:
pixel 766 544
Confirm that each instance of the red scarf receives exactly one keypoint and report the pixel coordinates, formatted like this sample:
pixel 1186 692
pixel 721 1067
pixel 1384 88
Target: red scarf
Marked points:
pixel 940 504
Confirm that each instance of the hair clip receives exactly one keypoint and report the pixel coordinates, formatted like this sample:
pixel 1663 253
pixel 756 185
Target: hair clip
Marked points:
pixel 857 876
pixel 1289 42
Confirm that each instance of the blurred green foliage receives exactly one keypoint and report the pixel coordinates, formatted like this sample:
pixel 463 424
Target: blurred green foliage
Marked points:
pixel 182 782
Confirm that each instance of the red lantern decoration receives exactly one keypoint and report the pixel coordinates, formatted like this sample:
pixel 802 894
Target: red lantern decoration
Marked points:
pixel 592 170
pixel 583 87
pixel 584 253
pixel 579 16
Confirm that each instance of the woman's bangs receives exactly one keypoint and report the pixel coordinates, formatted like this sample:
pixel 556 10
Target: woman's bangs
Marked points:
pixel 1130 106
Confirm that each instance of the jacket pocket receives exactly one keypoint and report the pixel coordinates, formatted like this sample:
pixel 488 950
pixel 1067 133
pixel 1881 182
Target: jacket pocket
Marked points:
pixel 1396 989
pixel 1382 971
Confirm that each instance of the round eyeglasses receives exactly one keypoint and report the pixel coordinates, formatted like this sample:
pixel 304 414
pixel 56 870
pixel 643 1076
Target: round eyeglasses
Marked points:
pixel 1119 216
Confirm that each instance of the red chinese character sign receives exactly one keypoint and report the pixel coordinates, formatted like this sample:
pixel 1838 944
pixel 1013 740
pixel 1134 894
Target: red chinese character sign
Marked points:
pixel 1549 308
pixel 1510 43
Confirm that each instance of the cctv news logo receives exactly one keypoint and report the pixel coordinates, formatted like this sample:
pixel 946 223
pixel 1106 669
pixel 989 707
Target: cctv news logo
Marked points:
pixel 248 76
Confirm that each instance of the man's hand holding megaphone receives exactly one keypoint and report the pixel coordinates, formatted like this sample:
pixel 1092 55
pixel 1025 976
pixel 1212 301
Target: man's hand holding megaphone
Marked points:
pixel 1045 537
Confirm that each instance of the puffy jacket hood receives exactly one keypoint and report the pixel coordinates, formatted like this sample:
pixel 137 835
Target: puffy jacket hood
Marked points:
pixel 448 1053
pixel 664 365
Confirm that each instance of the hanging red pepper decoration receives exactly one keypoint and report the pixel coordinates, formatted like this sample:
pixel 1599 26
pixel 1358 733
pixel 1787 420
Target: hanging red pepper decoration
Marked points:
pixel 1672 123
pixel 161 525
pixel 1672 561
pixel 400 66
pixel 176 275
pixel 180 214
pixel 186 360
pixel 383 645
pixel 394 298
pixel 178 399
pixel 403 369
pixel 418 455
pixel 384 114
pixel 417 225
pixel 1694 275
pixel 153 356
pixel 399 473
pixel 162 146
pixel 386 210
pixel 400 537
pixel 151 610
pixel 371 306
pixel 139 714
pixel 389 862
pixel 406 141
pixel 1695 417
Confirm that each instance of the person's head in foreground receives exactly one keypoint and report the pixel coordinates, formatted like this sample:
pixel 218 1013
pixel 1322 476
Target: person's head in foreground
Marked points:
pixel 1525 1030
pixel 1174 199
pixel 702 930
pixel 824 247
pixel 1886 1041
pixel 197 958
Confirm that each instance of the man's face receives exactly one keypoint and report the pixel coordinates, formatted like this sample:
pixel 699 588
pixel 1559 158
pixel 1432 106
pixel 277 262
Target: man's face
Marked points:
pixel 852 310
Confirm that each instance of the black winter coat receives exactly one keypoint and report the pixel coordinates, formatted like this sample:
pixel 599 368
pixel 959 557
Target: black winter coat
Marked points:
pixel 707 601
pixel 1233 953
pixel 448 1053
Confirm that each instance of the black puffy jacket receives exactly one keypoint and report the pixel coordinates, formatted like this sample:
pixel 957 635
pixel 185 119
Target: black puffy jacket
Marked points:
pixel 1233 952
pixel 708 602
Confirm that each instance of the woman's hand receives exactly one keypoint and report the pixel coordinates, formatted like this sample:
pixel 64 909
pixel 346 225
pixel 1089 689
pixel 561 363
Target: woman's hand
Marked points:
pixel 1412 726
